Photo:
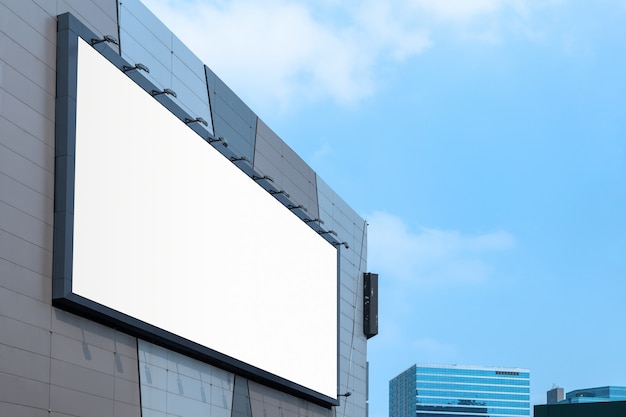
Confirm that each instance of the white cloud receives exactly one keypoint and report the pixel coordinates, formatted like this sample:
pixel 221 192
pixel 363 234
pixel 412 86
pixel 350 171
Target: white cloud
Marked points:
pixel 429 257
pixel 390 30
pixel 490 22
pixel 459 9
pixel 466 10
pixel 278 54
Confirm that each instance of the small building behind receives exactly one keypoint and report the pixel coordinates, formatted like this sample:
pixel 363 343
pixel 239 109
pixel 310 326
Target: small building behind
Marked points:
pixel 594 395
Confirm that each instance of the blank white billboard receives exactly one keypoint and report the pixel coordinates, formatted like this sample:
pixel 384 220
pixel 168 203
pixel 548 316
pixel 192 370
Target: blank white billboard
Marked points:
pixel 168 231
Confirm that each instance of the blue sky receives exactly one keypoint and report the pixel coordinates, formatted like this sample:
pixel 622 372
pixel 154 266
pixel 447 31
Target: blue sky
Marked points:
pixel 485 143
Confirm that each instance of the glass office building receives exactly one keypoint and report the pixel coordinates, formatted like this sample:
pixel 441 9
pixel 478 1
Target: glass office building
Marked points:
pixel 460 391
pixel 598 394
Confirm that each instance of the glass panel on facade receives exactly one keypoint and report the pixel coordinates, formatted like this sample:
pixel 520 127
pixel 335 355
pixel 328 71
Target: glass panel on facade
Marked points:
pixel 267 402
pixel 175 385
pixel 145 39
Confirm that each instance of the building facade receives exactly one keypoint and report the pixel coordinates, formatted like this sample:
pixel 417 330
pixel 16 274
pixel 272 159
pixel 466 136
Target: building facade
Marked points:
pixel 123 248
pixel 555 395
pixel 459 390
pixel 598 394
pixel 598 409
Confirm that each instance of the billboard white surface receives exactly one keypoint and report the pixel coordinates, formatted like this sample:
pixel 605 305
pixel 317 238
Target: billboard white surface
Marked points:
pixel 168 231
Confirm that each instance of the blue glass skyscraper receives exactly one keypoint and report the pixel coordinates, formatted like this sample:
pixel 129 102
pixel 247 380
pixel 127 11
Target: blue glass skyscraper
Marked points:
pixel 460 391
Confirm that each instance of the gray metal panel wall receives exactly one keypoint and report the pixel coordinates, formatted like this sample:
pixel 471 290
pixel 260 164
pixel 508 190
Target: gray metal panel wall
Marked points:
pixel 273 157
pixel 53 363
pixel 351 228
pixel 232 118
pixel 145 39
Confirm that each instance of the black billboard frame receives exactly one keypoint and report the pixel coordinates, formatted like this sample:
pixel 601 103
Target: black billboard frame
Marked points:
pixel 69 30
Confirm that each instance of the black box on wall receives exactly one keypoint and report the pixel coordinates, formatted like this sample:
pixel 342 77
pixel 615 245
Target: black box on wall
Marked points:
pixel 370 304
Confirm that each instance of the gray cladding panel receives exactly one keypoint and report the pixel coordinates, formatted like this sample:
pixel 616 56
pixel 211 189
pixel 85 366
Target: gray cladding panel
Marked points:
pixel 274 158
pixel 26 145
pixel 23 281
pixel 87 344
pixel 32 229
pixel 268 143
pixel 146 40
pixel 338 216
pixel 29 310
pixel 23 391
pixel 31 94
pixel 28 14
pixel 99 16
pixel 81 353
pixel 241 400
pixel 24 253
pixel 28 64
pixel 189 79
pixel 127 391
pixel 24 363
pixel 147 20
pixel 188 59
pixel 26 199
pixel 48 6
pixel 24 336
pixel 92 333
pixel 158 60
pixel 232 118
pixel 26 172
pixel 122 409
pixel 24 117
pixel 15 410
pixel 267 402
pixel 81 379
pixel 76 403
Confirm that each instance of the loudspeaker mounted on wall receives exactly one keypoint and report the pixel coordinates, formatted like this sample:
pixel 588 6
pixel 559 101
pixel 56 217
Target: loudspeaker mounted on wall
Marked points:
pixel 370 304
